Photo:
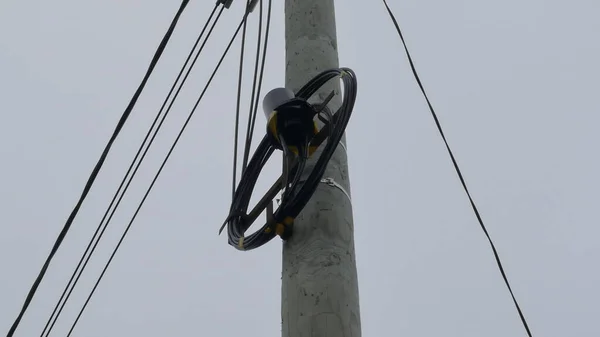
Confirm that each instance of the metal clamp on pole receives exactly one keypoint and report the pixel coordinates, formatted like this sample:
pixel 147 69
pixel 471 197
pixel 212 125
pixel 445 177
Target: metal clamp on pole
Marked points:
pixel 333 183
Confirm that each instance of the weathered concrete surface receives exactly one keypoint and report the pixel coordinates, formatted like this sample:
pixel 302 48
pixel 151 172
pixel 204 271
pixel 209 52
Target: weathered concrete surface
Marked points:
pixel 319 278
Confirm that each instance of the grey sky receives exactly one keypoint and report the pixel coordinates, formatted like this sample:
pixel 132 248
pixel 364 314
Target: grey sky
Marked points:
pixel 514 84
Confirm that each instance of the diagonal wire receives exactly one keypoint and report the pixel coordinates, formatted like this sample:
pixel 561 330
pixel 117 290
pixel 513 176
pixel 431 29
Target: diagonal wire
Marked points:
pixel 97 168
pixel 458 171
pixel 126 182
pixel 156 177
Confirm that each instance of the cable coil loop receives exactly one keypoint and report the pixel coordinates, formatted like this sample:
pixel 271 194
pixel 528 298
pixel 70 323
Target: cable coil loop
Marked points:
pixel 296 191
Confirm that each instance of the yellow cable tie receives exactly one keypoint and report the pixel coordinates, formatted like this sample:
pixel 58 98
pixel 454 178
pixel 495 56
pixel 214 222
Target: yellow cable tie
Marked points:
pixel 281 226
pixel 241 243
pixel 279 229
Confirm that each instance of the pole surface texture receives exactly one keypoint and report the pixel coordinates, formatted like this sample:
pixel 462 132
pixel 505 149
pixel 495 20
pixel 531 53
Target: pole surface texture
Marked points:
pixel 319 278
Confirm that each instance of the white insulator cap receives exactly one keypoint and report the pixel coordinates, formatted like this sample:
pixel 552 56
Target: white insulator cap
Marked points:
pixel 275 98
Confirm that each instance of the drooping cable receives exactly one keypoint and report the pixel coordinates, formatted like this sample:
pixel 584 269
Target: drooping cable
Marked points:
pixel 260 79
pixel 126 181
pixel 238 102
pixel 156 176
pixel 256 89
pixel 254 82
pixel 98 166
pixel 259 67
pixel 458 171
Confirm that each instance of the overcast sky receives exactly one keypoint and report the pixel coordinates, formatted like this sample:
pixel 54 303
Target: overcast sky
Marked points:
pixel 514 84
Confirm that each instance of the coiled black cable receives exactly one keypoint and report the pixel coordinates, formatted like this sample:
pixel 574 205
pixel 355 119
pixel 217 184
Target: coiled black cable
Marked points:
pixel 298 194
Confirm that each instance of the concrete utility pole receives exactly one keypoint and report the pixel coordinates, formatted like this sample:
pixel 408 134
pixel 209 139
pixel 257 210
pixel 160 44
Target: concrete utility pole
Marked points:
pixel 319 278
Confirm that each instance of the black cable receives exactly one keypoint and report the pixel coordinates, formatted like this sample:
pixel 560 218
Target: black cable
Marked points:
pixel 156 176
pixel 78 272
pixel 254 87
pixel 458 171
pixel 238 103
pixel 260 80
pixel 299 192
pixel 96 169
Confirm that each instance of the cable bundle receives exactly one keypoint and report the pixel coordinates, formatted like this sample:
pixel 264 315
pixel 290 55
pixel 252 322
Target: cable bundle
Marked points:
pixel 297 193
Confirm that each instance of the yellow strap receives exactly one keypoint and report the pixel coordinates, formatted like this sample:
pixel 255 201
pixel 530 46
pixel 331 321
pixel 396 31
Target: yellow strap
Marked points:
pixel 279 229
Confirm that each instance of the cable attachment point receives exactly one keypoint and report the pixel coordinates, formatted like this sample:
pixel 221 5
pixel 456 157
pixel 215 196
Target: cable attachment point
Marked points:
pixel 225 3
pixel 283 229
pixel 252 5
pixel 333 183
pixel 290 121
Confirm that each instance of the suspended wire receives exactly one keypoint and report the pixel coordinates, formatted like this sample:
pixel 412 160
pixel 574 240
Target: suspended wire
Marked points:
pixel 257 80
pixel 260 80
pixel 458 171
pixel 97 168
pixel 256 89
pixel 126 182
pixel 238 103
pixel 157 175
pixel 254 86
